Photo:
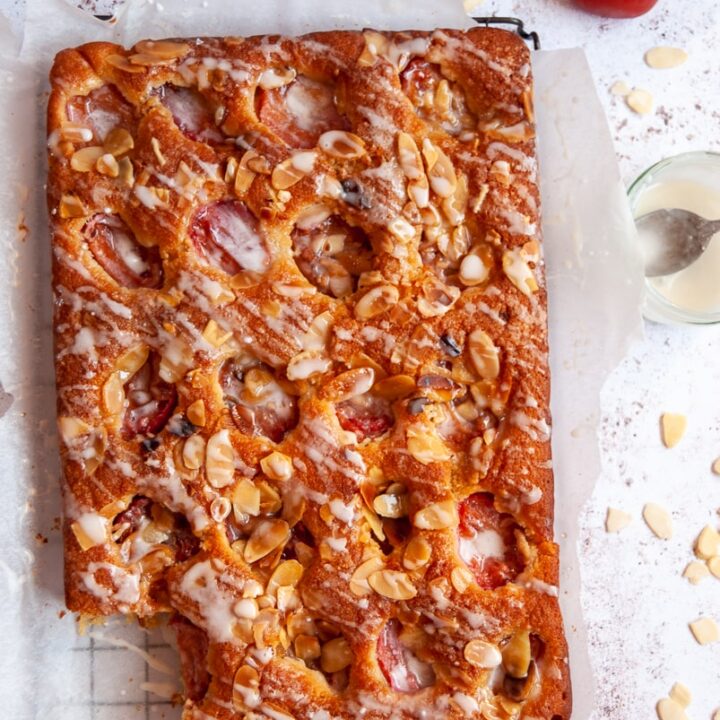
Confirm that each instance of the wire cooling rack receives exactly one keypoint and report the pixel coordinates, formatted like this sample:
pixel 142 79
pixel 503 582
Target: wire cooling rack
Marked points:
pixel 131 672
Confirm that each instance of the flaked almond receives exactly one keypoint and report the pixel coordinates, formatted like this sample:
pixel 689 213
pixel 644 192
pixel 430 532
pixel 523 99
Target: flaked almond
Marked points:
pixel 426 446
pixel 461 578
pixel 672 426
pixel 90 530
pixel 215 335
pixel 482 654
pixel 705 630
pixel 157 151
pixel 616 520
pixel 193 453
pixel 437 516
pixel 245 688
pixel 312 215
pixel 74 133
pixel 267 536
pixel 713 565
pixel 401 229
pixel 394 387
pixel 84 160
pixel 113 394
pixel 376 45
pixel 118 142
pixel 716 466
pixel 669 709
pixel 349 384
pixel 122 63
pixel 474 269
pixel 307 364
pixel 220 508
pixel 376 301
pixel 196 413
pixel 484 355
pixel 455 206
pixel 287 574
pixel 359 579
pixel 71 206
pixel 246 499
pixel 392 584
pixel 695 572
pixel 317 335
pixel 162 49
pixel 516 654
pixel 707 544
pixel 126 172
pixel 640 101
pixel 220 460
pixel 132 360
pixel 277 466
pixel 518 271
pixel 681 694
pixel 107 165
pixel 620 88
pixel 307 647
pixel 417 553
pixel 440 170
pixel 342 144
pixel 419 191
pixel 391 506
pixel 664 57
pixel 336 655
pixel 409 156
pixel 658 520
pixel 291 171
pixel 276 77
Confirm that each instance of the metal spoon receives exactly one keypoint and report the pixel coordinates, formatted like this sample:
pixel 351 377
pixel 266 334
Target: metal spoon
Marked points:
pixel 673 239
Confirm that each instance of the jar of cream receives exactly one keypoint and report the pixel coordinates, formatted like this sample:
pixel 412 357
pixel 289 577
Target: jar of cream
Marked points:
pixel 688 182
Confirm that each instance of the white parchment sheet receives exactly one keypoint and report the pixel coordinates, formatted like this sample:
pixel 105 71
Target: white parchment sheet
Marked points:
pixel 46 670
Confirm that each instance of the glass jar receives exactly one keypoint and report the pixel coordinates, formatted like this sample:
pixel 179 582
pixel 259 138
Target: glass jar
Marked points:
pixel 690 181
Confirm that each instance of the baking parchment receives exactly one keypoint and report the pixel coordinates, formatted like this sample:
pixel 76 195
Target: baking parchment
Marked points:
pixel 594 277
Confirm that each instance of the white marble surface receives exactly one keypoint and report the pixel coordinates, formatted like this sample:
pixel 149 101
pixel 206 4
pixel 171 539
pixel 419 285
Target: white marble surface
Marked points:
pixel 637 605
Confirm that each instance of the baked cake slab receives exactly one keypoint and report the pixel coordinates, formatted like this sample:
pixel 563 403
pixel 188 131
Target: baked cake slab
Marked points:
pixel 301 356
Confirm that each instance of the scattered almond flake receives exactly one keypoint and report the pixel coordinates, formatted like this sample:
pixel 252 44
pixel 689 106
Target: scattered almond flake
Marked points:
pixel 620 88
pixel 707 544
pixel 705 630
pixel 716 716
pixel 714 566
pixel 616 520
pixel 658 520
pixel 640 101
pixel 673 426
pixel 681 694
pixel 696 571
pixel 716 466
pixel 664 57
pixel 669 709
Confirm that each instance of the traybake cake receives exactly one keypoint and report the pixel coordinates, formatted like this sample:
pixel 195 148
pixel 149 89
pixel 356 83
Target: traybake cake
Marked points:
pixel 302 375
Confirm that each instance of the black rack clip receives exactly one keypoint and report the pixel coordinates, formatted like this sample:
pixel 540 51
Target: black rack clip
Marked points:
pixel 519 27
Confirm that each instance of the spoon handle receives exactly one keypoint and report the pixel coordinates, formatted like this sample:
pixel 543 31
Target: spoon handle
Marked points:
pixel 710 228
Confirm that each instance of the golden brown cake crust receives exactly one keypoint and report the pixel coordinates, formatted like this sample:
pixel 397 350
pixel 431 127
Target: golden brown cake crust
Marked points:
pixel 301 358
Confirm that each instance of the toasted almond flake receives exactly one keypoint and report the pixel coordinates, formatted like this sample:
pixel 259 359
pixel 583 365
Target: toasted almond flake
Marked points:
pixel 214 334
pixel 616 520
pixel 358 581
pixel 484 355
pixel 118 141
pixel 163 49
pixel 84 160
pixel 71 207
pixel 417 553
pixel 409 156
pixel 437 516
pixel 336 655
pixel 266 537
pixel 681 694
pixel 394 387
pixel 707 544
pixel 392 584
pixel 71 132
pixel 482 654
pixel 307 647
pixel 640 101
pixel 90 530
pixel 461 578
pixel 342 144
pixel 716 466
pixel 132 360
pixel 705 630
pixel 426 446
pixel 246 499
pixel 349 384
pixel 277 466
pixel 376 301
pixel 518 271
pixel 307 364
pixel 375 45
pixel 113 394
pixel 390 506
pixel 126 173
pixel 664 57
pixel 401 229
pixel 122 63
pixel 713 565
pixel 696 571
pixel 276 77
pixel 673 426
pixel 155 144
pixel 669 709
pixel 658 520
pixel 473 271
pixel 220 460
pixel 286 574
pixel 295 168
pixel 440 170
pixel 620 88
pixel 193 453
pixel 318 334
pixel 219 509
pixel 107 165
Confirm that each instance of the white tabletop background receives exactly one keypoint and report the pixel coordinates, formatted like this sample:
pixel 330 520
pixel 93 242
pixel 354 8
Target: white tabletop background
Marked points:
pixel 636 603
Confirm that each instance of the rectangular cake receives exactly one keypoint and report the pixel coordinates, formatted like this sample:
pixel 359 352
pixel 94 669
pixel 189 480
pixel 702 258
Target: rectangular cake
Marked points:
pixel 302 374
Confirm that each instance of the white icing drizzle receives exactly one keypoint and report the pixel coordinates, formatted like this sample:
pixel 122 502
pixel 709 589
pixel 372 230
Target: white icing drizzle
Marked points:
pixel 537 429
pixel 486 543
pixel 542 587
pixel 125 588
